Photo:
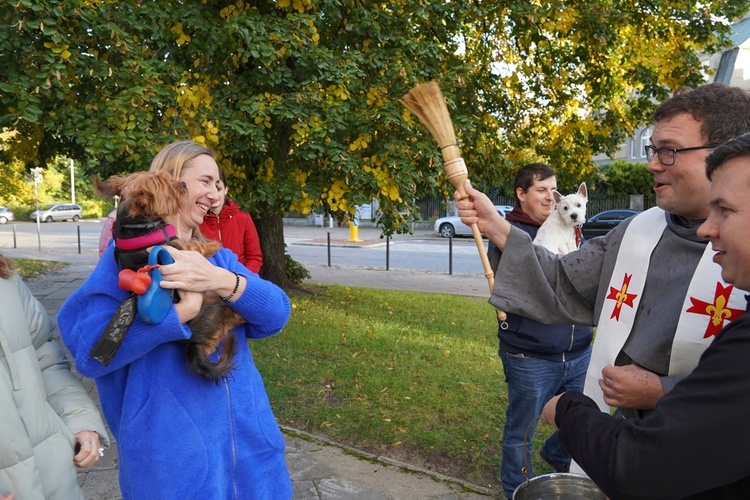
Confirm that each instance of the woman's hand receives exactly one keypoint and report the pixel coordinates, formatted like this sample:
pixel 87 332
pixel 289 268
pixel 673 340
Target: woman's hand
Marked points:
pixel 89 453
pixel 192 272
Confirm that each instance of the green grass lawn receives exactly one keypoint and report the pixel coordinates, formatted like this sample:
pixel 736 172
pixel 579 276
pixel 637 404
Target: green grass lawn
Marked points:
pixel 409 375
pixel 30 270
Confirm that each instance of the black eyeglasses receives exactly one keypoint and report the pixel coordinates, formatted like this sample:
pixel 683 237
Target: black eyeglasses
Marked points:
pixel 667 156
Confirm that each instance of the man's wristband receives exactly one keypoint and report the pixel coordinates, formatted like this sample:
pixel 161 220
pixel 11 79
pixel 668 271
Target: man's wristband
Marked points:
pixel 236 287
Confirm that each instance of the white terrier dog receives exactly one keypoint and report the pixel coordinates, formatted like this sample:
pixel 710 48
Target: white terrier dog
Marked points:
pixel 558 234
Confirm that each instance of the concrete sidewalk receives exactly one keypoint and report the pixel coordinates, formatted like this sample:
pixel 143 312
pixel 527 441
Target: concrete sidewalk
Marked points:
pixel 320 469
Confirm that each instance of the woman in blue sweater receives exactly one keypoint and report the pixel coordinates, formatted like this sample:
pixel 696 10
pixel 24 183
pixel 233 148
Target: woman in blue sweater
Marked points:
pixel 178 435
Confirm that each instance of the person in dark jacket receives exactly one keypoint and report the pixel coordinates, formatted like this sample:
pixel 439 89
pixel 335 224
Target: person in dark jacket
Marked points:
pixel 233 228
pixel 692 445
pixel 539 360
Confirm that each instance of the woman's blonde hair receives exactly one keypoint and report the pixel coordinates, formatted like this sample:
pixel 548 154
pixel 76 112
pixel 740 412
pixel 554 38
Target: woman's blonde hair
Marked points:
pixel 173 157
pixel 6 267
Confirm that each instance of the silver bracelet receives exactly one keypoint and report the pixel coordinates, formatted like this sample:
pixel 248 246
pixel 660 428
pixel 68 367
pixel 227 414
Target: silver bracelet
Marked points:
pixel 236 287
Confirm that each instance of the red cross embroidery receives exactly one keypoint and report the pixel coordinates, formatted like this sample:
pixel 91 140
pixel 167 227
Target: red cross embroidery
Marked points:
pixel 718 311
pixel 621 296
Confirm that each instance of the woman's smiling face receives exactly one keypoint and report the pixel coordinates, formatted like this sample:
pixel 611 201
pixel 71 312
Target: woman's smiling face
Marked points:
pixel 199 175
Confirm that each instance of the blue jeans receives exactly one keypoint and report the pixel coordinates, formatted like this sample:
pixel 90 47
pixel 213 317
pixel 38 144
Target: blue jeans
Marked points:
pixel 531 383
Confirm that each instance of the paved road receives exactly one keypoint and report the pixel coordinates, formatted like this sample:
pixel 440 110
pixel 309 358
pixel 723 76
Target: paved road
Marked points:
pixel 423 251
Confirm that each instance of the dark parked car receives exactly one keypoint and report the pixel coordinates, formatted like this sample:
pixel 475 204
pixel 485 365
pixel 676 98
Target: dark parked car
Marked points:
pixel 603 222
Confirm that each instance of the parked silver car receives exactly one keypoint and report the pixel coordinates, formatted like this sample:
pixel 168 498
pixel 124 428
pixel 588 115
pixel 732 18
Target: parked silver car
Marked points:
pixel 58 211
pixel 451 226
pixel 6 215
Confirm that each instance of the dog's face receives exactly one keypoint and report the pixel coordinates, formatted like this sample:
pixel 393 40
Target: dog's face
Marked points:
pixel 572 208
pixel 149 195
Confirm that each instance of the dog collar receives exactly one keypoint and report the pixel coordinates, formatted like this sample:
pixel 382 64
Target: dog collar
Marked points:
pixel 145 225
pixel 166 234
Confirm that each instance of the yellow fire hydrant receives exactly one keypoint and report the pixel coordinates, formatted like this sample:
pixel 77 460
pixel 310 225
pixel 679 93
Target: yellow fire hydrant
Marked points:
pixel 354 229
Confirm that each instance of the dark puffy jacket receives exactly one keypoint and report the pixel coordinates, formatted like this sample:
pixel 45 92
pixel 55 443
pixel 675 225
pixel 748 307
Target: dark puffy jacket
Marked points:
pixel 522 335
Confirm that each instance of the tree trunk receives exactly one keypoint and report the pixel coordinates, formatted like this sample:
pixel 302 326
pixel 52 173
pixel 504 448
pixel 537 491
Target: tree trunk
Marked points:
pixel 271 233
pixel 271 224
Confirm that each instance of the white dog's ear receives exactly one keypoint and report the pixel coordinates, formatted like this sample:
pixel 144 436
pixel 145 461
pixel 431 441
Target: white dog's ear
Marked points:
pixel 582 191
pixel 557 196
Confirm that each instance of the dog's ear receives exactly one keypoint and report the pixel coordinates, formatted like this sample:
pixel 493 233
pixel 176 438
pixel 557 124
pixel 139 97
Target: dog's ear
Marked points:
pixel 582 191
pixel 557 196
pixel 145 202
pixel 110 187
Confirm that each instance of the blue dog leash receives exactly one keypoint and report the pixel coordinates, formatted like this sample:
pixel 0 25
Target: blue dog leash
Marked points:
pixel 152 307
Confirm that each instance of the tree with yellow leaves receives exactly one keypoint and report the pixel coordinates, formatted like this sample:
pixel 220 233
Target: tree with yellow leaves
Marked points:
pixel 299 98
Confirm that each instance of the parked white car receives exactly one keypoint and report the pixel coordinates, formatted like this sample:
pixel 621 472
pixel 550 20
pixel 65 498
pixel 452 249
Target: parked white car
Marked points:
pixel 6 215
pixel 58 211
pixel 451 226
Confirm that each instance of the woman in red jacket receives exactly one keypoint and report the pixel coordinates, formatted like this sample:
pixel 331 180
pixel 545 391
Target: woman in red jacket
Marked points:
pixel 233 228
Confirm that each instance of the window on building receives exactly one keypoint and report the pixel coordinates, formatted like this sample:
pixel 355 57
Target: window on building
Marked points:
pixel 638 146
pixel 726 66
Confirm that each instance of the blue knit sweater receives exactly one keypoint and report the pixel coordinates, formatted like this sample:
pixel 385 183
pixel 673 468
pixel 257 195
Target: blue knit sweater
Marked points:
pixel 179 436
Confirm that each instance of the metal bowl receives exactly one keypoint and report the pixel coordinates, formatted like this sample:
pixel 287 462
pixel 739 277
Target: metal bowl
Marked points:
pixel 559 486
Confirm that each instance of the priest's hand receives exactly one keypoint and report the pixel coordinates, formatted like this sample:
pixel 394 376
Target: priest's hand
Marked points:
pixel 630 386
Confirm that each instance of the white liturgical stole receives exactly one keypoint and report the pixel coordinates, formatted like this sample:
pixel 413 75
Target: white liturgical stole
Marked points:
pixel 708 305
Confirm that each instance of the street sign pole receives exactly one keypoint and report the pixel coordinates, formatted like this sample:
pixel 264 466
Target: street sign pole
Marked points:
pixel 72 183
pixel 37 175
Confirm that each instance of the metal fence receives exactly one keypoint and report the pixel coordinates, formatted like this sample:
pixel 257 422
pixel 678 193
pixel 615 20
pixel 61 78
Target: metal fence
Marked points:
pixel 635 202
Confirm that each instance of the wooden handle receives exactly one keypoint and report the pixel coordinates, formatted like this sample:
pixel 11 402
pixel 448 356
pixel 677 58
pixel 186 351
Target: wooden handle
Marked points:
pixel 456 172
pixel 426 101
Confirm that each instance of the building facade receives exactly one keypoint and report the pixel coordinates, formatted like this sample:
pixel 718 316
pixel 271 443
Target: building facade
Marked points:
pixel 731 67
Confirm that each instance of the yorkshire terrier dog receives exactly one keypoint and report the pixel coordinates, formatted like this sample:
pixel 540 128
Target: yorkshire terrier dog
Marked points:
pixel 148 201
